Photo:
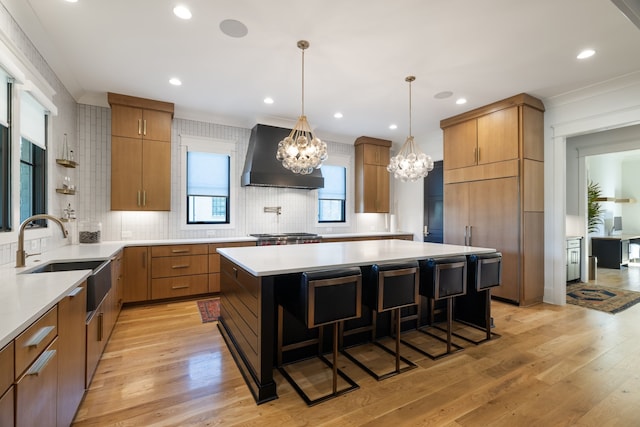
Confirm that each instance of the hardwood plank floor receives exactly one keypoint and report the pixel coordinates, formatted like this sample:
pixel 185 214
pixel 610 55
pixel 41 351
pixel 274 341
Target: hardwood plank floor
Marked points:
pixel 551 366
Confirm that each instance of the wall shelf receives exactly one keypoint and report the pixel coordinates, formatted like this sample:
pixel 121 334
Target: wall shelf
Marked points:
pixel 66 163
pixel 65 191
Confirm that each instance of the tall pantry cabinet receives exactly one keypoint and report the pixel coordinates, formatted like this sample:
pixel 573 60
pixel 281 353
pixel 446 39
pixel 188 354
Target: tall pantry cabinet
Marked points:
pixel 140 153
pixel 493 189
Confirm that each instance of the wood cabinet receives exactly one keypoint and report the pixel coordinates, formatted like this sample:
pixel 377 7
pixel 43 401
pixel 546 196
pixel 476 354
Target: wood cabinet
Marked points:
pixel 97 335
pixel 214 262
pixel 36 372
pixel 371 175
pixel 140 153
pixel 72 311
pixel 493 189
pixel 6 385
pixel 135 273
pixel 179 270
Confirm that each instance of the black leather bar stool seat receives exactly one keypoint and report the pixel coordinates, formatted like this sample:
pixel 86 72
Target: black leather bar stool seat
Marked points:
pixel 474 308
pixel 389 287
pixel 442 279
pixel 326 297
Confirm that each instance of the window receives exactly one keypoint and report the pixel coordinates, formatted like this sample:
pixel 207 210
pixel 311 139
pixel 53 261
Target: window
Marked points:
pixel 207 188
pixel 33 159
pixel 332 198
pixel 5 152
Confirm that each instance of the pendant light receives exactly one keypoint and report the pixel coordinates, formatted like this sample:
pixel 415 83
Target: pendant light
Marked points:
pixel 301 152
pixel 410 164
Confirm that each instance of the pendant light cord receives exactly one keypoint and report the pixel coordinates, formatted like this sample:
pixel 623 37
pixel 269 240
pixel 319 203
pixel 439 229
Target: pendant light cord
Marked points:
pixel 410 133
pixel 303 82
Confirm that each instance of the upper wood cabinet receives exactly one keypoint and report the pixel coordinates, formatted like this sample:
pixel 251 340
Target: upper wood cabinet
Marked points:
pixel 371 175
pixel 487 139
pixel 493 189
pixel 140 153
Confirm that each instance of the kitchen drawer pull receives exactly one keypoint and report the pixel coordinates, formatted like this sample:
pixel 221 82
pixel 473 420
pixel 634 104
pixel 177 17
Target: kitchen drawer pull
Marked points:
pixel 37 338
pixel 41 363
pixel 181 266
pixel 180 287
pixel 138 197
pixel 76 291
pixel 180 251
pixel 144 198
pixel 100 326
pixel 144 132
pixel 139 126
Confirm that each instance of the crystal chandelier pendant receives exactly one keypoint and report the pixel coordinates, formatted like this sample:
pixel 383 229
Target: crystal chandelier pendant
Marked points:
pixel 301 152
pixel 410 164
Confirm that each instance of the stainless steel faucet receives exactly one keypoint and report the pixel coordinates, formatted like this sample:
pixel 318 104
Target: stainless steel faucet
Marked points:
pixel 21 255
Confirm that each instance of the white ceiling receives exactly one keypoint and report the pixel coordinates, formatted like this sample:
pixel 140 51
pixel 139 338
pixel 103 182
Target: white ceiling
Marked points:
pixel 360 53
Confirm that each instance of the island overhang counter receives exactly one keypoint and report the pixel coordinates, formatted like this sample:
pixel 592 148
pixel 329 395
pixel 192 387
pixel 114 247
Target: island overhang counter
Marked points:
pixel 249 276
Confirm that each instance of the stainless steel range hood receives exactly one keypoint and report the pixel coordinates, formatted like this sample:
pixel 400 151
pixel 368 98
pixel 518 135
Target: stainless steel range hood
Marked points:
pixel 261 168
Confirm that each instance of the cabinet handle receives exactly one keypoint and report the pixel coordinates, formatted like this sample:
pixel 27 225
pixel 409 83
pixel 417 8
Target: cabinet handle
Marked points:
pixel 138 197
pixel 75 292
pixel 100 326
pixel 180 266
pixel 179 251
pixel 144 132
pixel 478 158
pixel 41 363
pixel 466 230
pixel 139 126
pixel 37 338
pixel 180 287
pixel 235 272
pixel 470 235
pixel 144 198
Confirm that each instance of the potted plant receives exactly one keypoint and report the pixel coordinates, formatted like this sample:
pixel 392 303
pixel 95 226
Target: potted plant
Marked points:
pixel 594 219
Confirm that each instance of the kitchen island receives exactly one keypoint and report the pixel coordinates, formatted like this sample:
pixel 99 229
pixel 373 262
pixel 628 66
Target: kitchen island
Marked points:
pixel 249 278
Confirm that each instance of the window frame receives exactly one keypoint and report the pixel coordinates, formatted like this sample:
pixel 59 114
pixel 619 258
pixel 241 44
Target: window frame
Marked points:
pixel 344 204
pixel 39 167
pixel 215 146
pixel 346 162
pixel 5 166
pixel 227 199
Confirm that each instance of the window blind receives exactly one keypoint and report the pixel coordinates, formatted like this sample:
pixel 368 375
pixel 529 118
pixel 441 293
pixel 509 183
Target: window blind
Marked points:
pixel 32 122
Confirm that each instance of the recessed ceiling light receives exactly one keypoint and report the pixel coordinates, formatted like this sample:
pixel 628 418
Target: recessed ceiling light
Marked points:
pixel 393 127
pixel 175 81
pixel 587 53
pixel 442 95
pixel 233 28
pixel 461 101
pixel 72 1
pixel 182 12
pixel 268 100
pixel 338 115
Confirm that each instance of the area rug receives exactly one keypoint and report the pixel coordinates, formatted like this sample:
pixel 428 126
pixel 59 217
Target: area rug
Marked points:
pixel 209 309
pixel 609 300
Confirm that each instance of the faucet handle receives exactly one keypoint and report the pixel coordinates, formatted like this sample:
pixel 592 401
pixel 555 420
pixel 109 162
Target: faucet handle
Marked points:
pixel 27 255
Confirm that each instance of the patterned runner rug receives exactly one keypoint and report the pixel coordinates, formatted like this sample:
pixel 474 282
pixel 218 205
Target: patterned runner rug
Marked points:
pixel 609 300
pixel 209 309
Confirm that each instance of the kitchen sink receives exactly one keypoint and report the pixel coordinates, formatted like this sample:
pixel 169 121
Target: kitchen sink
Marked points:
pixel 98 283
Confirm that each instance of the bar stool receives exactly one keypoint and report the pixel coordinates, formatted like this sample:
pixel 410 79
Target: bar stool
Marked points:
pixel 474 308
pixel 441 279
pixel 323 298
pixel 388 287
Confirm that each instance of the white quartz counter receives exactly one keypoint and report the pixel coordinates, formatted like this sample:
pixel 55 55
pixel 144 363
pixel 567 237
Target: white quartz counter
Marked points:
pixel 274 260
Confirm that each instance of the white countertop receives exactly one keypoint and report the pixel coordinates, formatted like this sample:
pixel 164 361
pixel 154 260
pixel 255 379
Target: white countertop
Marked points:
pixel 26 297
pixel 273 260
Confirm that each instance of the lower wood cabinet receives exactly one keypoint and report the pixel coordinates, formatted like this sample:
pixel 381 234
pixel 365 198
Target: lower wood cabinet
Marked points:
pixel 6 408
pixel 179 286
pixel 72 311
pixel 135 273
pixel 36 390
pixel 6 385
pixel 96 339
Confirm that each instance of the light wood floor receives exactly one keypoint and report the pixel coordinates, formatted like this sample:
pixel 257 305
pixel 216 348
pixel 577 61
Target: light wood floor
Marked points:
pixel 551 366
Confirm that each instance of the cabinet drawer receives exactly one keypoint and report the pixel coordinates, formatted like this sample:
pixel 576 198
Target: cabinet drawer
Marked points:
pixel 6 367
pixel 35 339
pixel 173 250
pixel 172 287
pixel 36 390
pixel 179 266
pixel 573 243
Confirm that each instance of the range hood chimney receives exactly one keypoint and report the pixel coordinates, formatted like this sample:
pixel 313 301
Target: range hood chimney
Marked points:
pixel 261 168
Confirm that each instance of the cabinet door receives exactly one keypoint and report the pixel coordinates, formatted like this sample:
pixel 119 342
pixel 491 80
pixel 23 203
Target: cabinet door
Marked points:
pixel 156 125
pixel 494 219
pixel 126 173
pixel 498 136
pixel 156 175
pixel 36 390
pixel 376 189
pixel 126 121
pixel 135 274
pixel 96 341
pixel 375 155
pixel 6 408
pixel 460 143
pixel 456 213
pixel 71 346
